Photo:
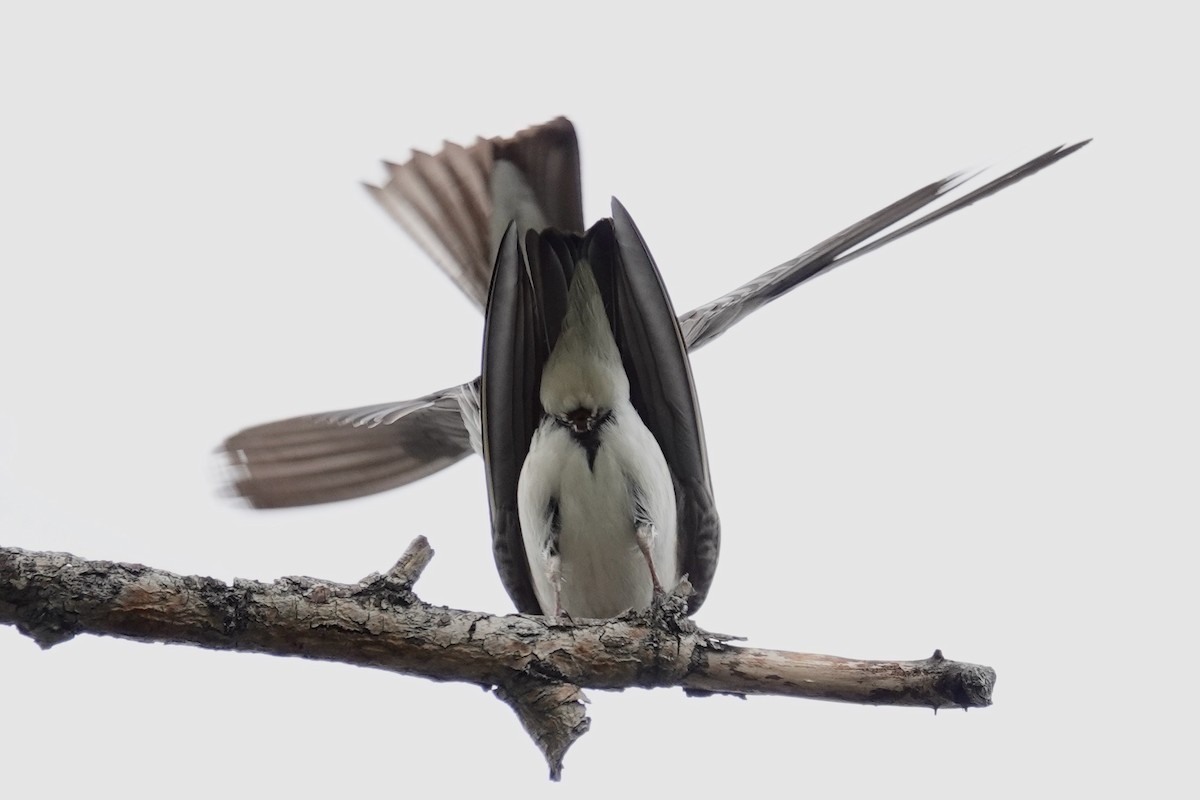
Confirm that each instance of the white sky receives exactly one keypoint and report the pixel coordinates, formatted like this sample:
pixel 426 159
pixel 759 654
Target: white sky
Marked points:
pixel 981 439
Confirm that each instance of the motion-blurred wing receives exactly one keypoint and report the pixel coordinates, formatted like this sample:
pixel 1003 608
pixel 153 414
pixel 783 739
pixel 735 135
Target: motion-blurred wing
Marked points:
pixel 702 325
pixel 280 464
pixel 339 455
pixel 457 203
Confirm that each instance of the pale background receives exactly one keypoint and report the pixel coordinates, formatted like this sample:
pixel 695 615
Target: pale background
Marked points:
pixel 982 439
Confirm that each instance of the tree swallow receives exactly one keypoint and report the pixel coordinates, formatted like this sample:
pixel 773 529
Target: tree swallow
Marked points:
pixel 585 411
pixel 592 440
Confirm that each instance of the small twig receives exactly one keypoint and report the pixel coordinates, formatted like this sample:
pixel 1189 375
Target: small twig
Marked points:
pixel 414 561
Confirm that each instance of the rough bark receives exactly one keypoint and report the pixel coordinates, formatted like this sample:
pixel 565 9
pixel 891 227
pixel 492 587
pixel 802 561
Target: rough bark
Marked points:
pixel 535 664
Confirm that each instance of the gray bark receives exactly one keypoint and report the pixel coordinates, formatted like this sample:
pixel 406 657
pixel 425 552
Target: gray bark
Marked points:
pixel 537 665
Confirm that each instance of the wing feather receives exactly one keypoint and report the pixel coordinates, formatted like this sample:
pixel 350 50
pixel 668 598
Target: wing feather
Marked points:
pixel 423 436
pixel 661 388
pixel 320 458
pixel 447 203
pixel 511 377
pixel 702 325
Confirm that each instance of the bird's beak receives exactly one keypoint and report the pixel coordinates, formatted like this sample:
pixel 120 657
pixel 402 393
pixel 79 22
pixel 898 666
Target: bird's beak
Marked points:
pixel 582 420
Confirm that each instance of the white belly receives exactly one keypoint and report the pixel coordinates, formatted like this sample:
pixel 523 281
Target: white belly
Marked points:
pixel 602 571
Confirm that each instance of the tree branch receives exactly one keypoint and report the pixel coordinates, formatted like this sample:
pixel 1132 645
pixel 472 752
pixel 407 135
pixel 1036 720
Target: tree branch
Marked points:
pixel 537 665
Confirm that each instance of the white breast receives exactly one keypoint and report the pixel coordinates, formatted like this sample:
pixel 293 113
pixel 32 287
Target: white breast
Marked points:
pixel 602 571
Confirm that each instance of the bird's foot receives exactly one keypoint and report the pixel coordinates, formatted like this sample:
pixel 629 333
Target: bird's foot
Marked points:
pixel 667 610
pixel 675 602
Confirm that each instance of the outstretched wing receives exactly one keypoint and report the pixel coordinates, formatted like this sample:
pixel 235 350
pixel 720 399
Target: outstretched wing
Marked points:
pixel 320 458
pixel 457 203
pixel 284 463
pixel 702 325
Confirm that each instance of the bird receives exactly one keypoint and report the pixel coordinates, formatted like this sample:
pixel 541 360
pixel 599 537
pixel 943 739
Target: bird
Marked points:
pixel 593 445
pixel 592 441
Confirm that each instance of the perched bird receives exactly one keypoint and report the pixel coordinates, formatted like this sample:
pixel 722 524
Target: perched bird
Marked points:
pixel 592 440
pixel 594 449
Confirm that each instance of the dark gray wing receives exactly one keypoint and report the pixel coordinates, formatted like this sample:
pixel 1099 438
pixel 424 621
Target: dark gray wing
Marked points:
pixel 702 325
pixel 320 458
pixel 514 352
pixel 454 207
pixel 660 384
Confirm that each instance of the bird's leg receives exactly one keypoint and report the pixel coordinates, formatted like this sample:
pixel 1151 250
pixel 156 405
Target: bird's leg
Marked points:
pixel 554 574
pixel 552 559
pixel 645 533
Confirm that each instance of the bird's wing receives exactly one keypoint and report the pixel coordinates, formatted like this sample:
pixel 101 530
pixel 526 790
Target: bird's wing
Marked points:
pixel 547 157
pixel 320 458
pixel 702 325
pixel 660 383
pixel 295 481
pixel 514 351
pixel 457 203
